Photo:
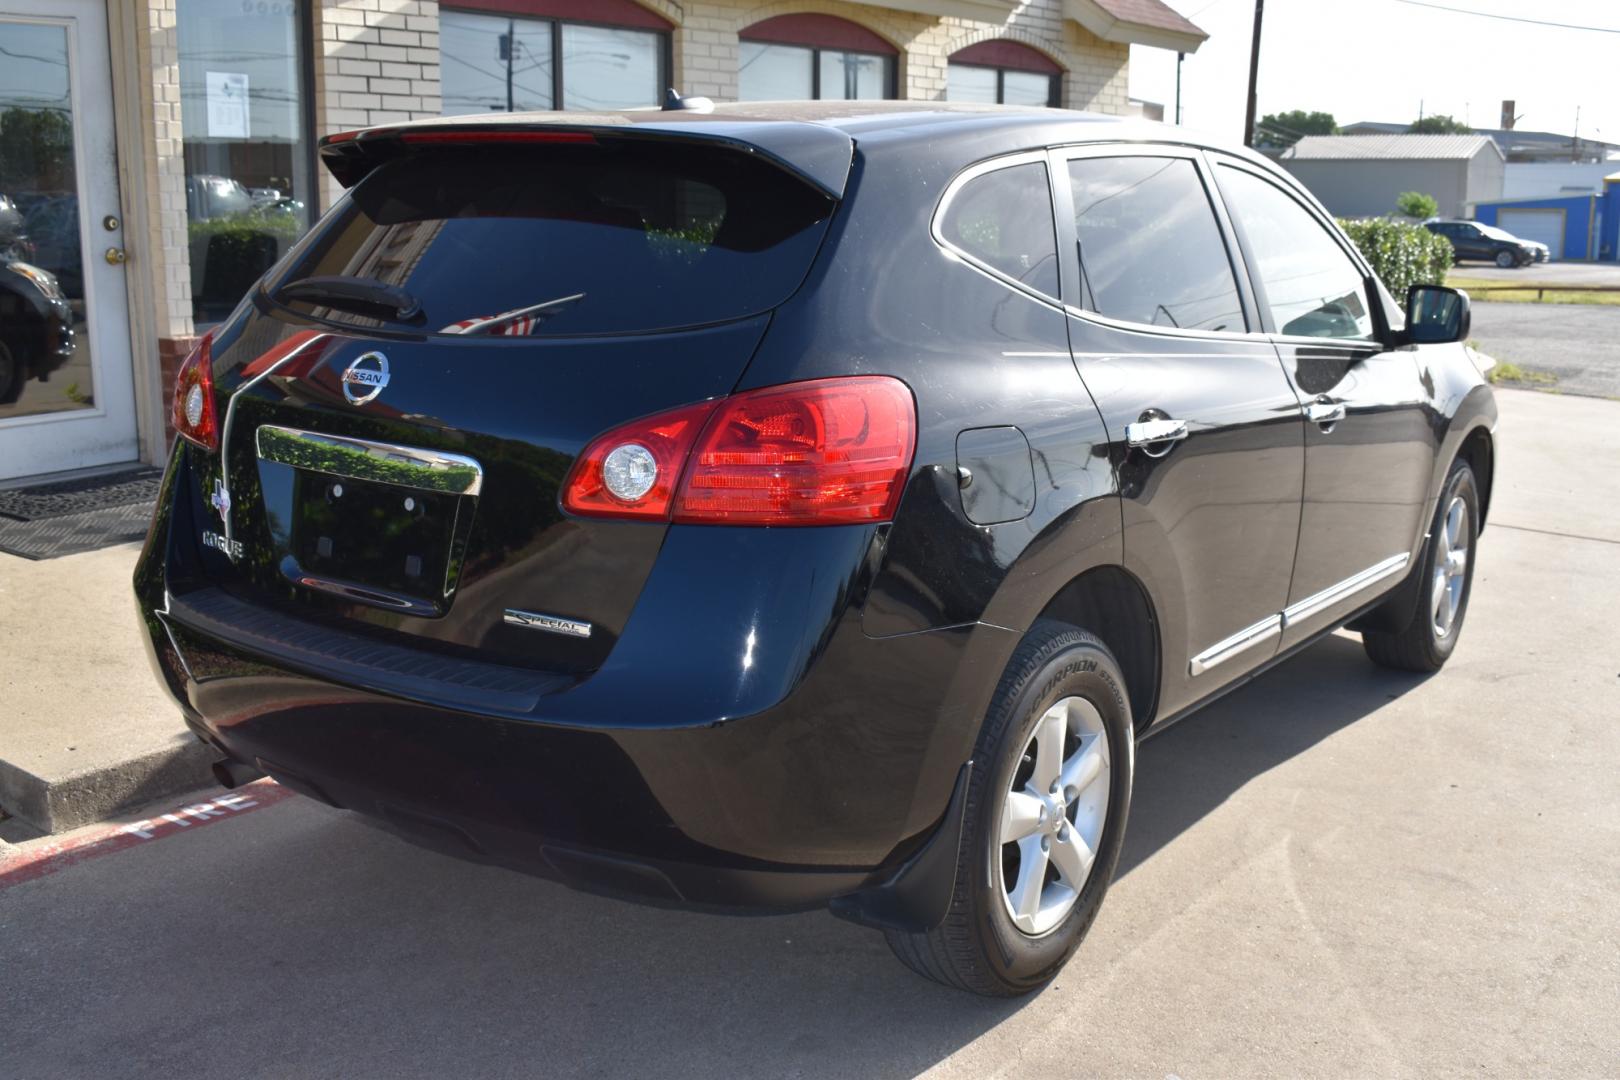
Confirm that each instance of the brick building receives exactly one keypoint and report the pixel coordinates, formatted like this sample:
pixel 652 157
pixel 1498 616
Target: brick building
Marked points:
pixel 157 155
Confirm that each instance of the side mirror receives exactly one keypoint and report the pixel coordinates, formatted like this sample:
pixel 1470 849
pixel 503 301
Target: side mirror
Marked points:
pixel 1436 315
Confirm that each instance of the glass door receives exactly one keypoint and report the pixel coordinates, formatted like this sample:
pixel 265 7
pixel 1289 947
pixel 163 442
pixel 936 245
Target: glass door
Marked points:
pixel 67 396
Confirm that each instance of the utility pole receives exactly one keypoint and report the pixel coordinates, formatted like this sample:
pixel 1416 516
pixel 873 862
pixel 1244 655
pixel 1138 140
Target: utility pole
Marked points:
pixel 1254 73
pixel 1180 56
pixel 511 51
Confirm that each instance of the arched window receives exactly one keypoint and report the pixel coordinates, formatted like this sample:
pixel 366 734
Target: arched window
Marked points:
pixel 1003 72
pixel 510 55
pixel 813 56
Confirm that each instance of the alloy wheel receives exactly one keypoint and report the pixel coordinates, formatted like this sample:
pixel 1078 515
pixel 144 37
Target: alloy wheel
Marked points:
pixel 1053 815
pixel 1450 568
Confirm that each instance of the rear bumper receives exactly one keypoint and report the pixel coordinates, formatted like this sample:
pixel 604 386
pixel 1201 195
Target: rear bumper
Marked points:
pixel 815 775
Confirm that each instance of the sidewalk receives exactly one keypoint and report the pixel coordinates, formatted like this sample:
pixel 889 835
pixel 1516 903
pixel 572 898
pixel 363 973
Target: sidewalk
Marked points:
pixel 85 730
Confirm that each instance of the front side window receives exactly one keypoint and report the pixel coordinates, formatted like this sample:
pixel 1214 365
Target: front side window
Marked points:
pixel 1311 286
pixel 1003 218
pixel 1150 248
pixel 796 57
pixel 506 63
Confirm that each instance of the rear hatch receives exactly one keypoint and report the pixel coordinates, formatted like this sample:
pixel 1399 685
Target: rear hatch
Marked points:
pixel 401 402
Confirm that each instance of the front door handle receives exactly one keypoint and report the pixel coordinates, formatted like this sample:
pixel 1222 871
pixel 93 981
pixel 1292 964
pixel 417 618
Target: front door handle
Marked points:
pixel 1324 412
pixel 1149 432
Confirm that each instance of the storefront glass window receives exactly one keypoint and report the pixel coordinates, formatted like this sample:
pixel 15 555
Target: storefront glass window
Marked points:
pixel 770 72
pixel 246 142
pixel 497 63
pixel 481 72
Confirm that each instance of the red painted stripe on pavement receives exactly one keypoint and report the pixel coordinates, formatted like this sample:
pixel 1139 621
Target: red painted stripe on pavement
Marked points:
pixel 42 857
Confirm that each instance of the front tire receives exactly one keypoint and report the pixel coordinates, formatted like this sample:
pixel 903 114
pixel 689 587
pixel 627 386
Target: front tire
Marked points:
pixel 1044 823
pixel 1446 577
pixel 1506 260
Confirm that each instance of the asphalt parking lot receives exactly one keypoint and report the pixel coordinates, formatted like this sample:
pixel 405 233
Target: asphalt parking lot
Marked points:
pixel 1335 871
pixel 1578 344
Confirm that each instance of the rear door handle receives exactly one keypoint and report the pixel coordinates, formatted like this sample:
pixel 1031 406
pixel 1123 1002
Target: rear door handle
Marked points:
pixel 1324 412
pixel 1149 432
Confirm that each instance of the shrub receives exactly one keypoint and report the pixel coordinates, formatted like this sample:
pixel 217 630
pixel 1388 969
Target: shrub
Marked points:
pixel 1417 204
pixel 1401 254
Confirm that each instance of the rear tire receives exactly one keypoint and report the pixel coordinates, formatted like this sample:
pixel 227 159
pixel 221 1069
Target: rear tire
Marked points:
pixel 1445 579
pixel 1062 691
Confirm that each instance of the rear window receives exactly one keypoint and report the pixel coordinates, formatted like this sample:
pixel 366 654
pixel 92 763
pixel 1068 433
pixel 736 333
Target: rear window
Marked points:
pixel 641 237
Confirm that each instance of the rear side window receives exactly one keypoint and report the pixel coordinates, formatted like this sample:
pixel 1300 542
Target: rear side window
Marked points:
pixel 1150 249
pixel 1311 287
pixel 1003 218
pixel 654 236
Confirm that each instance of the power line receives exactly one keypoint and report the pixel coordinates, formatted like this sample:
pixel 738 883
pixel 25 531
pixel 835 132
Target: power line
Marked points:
pixel 1511 18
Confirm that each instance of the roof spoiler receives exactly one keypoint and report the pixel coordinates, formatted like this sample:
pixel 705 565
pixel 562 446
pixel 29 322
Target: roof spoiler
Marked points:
pixel 815 153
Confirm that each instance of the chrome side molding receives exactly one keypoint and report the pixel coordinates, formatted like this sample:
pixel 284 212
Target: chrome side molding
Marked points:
pixel 1319 602
pixel 363 459
pixel 1273 625
pixel 1247 638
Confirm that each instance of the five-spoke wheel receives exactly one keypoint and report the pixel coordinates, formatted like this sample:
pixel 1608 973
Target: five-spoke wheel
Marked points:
pixel 1053 815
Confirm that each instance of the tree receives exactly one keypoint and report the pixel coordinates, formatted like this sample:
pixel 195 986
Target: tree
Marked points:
pixel 1287 128
pixel 36 151
pixel 1418 205
pixel 1439 124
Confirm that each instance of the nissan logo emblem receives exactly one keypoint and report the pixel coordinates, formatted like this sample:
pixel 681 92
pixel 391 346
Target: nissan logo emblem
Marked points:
pixel 365 378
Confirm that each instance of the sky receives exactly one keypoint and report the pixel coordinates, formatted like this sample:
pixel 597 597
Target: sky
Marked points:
pixel 1387 59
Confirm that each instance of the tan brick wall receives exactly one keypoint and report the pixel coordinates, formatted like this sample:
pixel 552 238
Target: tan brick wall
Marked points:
pixel 377 62
pixel 164 255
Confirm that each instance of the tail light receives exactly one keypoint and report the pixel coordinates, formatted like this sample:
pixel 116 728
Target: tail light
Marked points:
pixel 193 413
pixel 824 452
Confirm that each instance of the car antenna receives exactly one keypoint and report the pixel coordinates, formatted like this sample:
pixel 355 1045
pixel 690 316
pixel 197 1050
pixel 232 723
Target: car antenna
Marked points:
pixel 673 102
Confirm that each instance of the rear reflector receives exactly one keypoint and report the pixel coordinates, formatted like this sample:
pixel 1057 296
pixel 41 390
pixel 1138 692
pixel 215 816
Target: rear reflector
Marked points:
pixel 193 411
pixel 823 452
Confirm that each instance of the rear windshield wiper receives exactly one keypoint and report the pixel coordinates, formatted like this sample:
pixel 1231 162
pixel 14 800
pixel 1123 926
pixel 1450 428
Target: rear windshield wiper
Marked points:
pixel 350 293
pixel 495 324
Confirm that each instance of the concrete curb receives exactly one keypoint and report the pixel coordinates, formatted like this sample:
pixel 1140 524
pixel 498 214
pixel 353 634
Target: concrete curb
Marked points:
pixel 86 729
pixel 59 803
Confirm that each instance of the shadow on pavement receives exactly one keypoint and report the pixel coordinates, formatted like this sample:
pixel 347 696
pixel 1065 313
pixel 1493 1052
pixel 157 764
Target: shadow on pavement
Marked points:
pixel 301 942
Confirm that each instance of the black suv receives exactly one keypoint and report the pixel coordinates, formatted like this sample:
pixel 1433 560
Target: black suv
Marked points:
pixel 1486 243
pixel 799 505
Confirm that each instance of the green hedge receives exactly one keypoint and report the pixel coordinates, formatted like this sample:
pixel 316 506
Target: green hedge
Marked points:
pixel 1401 254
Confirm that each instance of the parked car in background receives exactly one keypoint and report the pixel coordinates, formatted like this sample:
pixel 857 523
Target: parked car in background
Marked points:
pixel 14 241
pixel 36 326
pixel 804 504
pixel 1475 241
pixel 53 231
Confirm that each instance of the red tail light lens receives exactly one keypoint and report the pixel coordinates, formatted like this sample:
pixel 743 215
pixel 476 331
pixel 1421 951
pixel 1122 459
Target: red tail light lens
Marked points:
pixel 667 437
pixel 828 452
pixel 824 452
pixel 193 413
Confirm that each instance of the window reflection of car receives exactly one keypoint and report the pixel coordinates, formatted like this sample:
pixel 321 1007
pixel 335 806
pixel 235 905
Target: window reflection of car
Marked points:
pixel 237 233
pixel 36 324
pixel 52 223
